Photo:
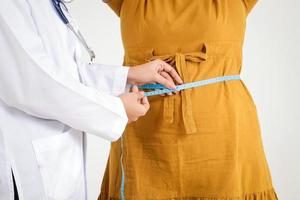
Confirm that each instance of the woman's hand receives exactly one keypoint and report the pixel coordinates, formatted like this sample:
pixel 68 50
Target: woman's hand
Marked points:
pixel 156 71
pixel 136 105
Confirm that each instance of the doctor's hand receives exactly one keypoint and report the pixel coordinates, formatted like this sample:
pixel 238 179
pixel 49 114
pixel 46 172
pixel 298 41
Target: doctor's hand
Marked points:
pixel 135 103
pixel 156 71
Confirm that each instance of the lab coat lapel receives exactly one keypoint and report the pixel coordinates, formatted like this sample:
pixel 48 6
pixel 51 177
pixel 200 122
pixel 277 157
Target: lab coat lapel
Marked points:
pixel 4 172
pixel 49 26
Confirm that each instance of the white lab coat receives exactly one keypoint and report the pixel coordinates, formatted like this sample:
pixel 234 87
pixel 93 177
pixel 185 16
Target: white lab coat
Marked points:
pixel 48 97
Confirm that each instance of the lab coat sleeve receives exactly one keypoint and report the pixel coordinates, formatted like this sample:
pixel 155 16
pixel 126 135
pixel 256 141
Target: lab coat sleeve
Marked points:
pixel 28 84
pixel 106 78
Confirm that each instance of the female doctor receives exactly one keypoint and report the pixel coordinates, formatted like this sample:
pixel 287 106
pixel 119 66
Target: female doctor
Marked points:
pixel 49 97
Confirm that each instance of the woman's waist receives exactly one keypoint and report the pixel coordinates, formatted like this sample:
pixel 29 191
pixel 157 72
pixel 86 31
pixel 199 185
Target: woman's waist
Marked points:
pixel 192 62
pixel 210 94
pixel 214 103
pixel 216 50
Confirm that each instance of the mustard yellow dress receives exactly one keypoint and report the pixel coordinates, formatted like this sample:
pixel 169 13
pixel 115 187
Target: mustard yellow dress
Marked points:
pixel 204 143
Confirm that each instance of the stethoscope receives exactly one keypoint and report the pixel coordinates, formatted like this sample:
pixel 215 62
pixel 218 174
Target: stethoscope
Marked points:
pixel 59 5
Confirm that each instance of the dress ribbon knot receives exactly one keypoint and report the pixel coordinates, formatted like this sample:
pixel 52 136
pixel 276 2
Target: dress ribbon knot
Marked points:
pixel 180 60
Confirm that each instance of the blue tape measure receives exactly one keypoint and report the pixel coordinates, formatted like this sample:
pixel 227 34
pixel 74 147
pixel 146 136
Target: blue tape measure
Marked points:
pixel 122 186
pixel 160 89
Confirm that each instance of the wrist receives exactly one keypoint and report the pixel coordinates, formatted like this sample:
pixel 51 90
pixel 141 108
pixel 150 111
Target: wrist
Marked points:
pixel 131 78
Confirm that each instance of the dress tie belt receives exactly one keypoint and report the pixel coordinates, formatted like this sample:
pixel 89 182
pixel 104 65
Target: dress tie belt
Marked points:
pixel 179 60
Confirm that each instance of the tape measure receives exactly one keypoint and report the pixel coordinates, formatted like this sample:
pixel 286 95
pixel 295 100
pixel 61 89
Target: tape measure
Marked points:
pixel 161 89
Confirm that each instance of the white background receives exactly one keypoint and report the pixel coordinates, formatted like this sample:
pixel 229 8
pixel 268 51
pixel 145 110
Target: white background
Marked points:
pixel 271 72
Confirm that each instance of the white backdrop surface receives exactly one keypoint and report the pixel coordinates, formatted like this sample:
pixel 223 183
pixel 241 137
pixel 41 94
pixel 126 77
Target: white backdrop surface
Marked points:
pixel 271 71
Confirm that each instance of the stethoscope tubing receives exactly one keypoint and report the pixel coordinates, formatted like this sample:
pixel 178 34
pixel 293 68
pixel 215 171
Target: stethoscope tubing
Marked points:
pixel 57 4
pixel 58 7
pixel 70 1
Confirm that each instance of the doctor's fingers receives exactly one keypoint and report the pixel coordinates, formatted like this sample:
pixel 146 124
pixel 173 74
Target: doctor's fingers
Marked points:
pixel 167 76
pixel 139 94
pixel 164 81
pixel 146 103
pixel 170 70
pixel 135 89
pixel 142 107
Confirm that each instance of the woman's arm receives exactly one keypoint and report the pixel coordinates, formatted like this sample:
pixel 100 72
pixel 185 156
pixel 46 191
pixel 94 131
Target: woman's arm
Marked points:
pixel 115 5
pixel 249 4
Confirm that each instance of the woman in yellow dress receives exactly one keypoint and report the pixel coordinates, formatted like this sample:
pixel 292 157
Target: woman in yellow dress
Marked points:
pixel 204 143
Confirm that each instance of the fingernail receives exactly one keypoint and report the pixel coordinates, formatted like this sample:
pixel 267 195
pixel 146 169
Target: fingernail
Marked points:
pixel 172 86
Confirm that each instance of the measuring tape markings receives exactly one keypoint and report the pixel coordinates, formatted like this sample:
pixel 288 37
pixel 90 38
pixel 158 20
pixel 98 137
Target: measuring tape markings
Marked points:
pixel 161 89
